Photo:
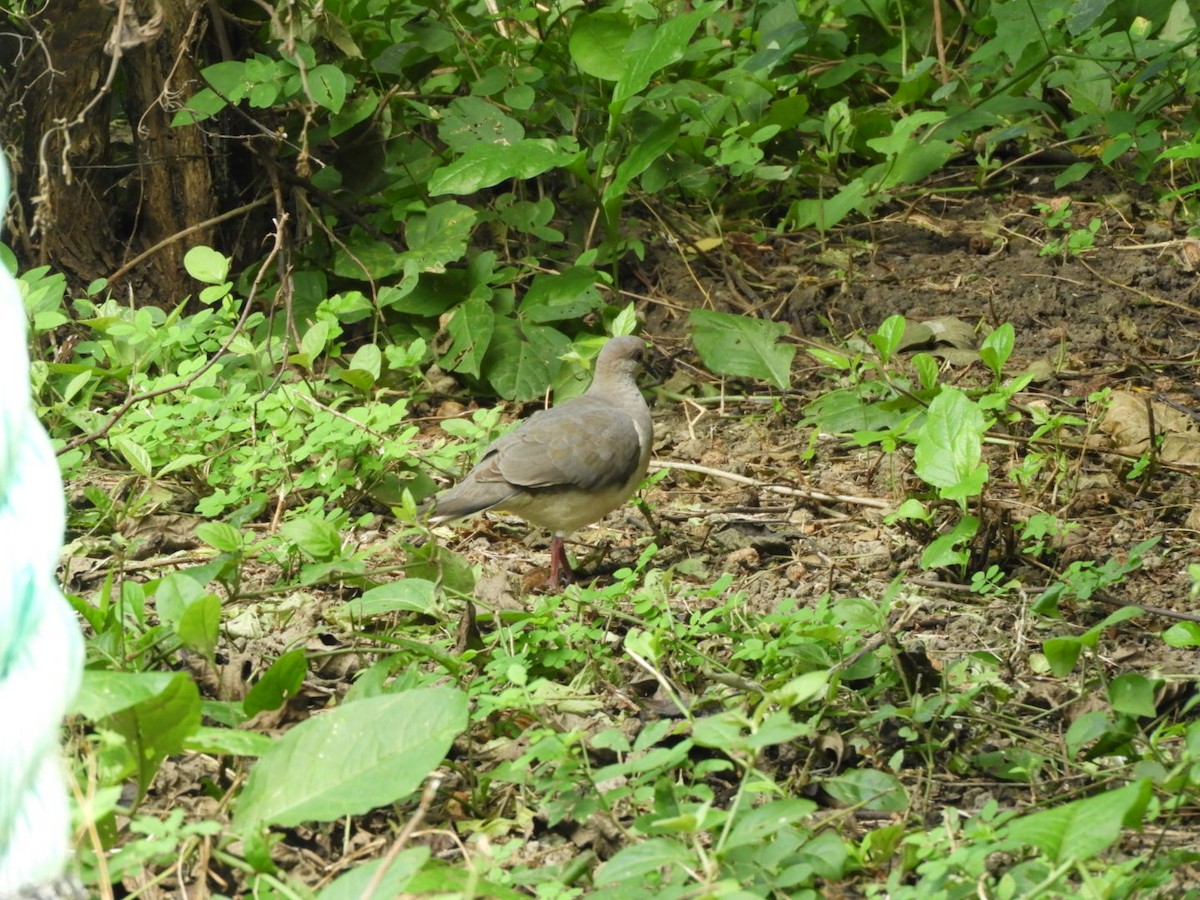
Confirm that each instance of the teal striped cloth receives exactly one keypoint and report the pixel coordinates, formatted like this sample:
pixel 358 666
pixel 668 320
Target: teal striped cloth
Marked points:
pixel 41 651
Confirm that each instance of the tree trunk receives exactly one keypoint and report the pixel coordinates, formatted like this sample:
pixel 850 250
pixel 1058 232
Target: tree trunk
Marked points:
pixel 63 174
pixel 98 191
pixel 173 164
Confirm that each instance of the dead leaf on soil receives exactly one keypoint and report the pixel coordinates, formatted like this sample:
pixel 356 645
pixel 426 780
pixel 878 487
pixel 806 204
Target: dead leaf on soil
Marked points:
pixel 1127 422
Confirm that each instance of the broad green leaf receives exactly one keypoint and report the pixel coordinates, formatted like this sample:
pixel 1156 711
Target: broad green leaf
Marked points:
pixel 641 859
pixel 402 595
pixel 727 730
pixel 826 212
pixel 597 43
pixel 761 823
pixel 173 595
pixel 521 364
pixel 869 788
pixel 153 711
pixel 997 347
pixel 485 165
pixel 801 689
pixel 328 86
pixel 468 121
pixel 1062 653
pixel 1133 695
pixel 198 627
pixel 948 549
pixel 228 742
pixel 279 683
pixel 353 885
pixel 202 105
pixel 569 295
pixel 316 537
pixel 470 328
pixel 183 461
pixel 1081 829
pixel 1182 634
pixel 228 78
pixel 646 151
pixel 949 446
pixel 742 346
pixel 76 384
pixel 220 536
pixel 849 412
pixel 369 359
pixel 312 344
pixel 654 47
pixel 105 693
pixel 438 236
pixel 365 258
pixel 207 265
pixel 355 758
pixel 134 453
pixel 886 340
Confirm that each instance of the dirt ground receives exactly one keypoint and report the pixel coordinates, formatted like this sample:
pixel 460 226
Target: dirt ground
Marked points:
pixel 1124 315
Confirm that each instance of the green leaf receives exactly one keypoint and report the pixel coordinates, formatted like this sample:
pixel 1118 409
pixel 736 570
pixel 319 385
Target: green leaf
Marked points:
pixel 316 537
pixel 401 868
pixel 473 120
pixel 947 549
pixel 153 711
pixel 438 236
pixel 1062 653
pixel 1087 728
pixel 597 44
pixel 202 105
pixel 228 78
pixel 278 684
pixel 887 340
pixel 1081 829
pixel 1133 695
pixel 198 627
pixel 220 536
pixel 826 212
pixel 403 595
pixel 135 455
pixel 328 86
pixel 228 742
pixel 1182 634
pixel 871 789
pixel 364 367
pixel 641 859
pixel 652 48
pixel 470 328
pixel 646 151
pixel 485 165
pixel 207 265
pixel 569 295
pixel 997 347
pixel 949 446
pixel 355 758
pixel 743 347
pixel 762 823
pixel 520 364
pixel 311 345
pixel 183 461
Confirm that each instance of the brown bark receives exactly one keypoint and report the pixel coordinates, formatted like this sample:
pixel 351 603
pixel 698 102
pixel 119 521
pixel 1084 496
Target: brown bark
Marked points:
pixel 63 175
pixel 173 164
pixel 98 190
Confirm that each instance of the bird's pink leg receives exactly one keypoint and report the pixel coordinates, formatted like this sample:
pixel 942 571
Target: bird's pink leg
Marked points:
pixel 559 564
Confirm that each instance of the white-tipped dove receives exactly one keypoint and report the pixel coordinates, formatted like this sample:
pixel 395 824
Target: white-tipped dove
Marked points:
pixel 565 467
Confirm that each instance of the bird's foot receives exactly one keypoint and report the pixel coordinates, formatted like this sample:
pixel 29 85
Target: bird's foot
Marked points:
pixel 561 572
